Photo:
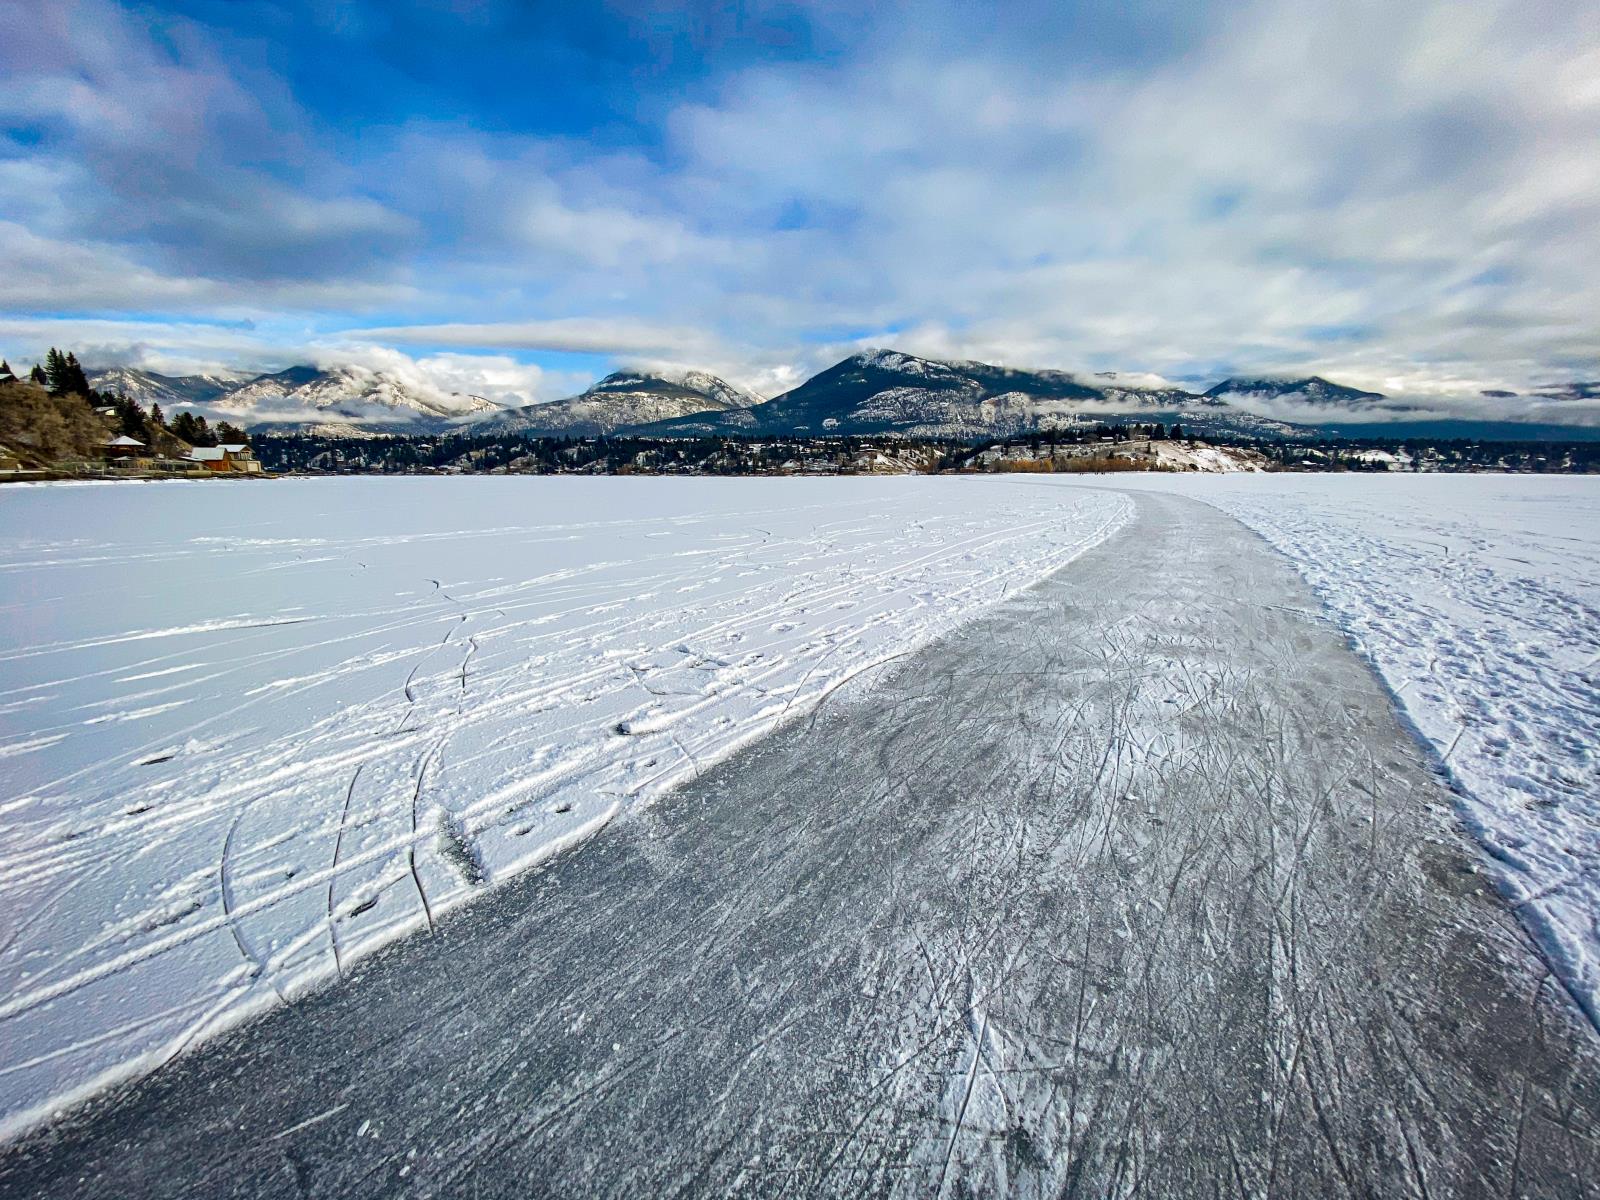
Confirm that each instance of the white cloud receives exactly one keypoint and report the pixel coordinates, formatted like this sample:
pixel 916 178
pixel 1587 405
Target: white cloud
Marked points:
pixel 496 377
pixel 583 335
pixel 1304 169
pixel 1401 197
pixel 610 237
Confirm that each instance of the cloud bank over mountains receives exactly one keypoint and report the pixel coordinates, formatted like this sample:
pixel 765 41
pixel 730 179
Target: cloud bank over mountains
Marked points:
pixel 1403 198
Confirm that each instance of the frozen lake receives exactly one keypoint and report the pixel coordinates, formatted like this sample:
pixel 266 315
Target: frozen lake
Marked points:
pixel 1132 884
pixel 250 731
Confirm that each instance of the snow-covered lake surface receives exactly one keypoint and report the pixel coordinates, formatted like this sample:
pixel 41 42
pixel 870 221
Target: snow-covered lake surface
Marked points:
pixel 248 731
pixel 1477 598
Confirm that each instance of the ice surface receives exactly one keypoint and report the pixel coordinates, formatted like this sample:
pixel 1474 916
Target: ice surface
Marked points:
pixel 1132 884
pixel 1477 598
pixel 250 731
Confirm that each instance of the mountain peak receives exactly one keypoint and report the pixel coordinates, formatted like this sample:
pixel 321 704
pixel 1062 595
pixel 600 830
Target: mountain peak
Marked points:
pixel 1312 389
pixel 151 387
pixel 362 397
pixel 675 383
pixel 291 377
pixel 624 399
pixel 897 362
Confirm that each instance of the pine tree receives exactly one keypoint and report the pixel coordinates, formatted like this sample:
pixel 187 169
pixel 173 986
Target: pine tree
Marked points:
pixel 6 375
pixel 131 419
pixel 156 418
pixel 193 430
pixel 76 381
pixel 55 370
pixel 38 376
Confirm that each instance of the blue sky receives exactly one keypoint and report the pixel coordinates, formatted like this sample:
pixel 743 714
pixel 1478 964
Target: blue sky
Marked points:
pixel 516 197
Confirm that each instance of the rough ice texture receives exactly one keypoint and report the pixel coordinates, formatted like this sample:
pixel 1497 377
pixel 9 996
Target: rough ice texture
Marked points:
pixel 1477 598
pixel 249 732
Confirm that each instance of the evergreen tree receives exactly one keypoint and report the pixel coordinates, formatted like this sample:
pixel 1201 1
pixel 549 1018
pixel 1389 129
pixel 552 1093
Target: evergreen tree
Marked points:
pixel 76 381
pixel 183 427
pixel 156 418
pixel 6 375
pixel 55 370
pixel 193 430
pixel 231 435
pixel 38 376
pixel 131 419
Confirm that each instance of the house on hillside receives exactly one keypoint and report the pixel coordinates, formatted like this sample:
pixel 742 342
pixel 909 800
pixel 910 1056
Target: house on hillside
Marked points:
pixel 231 457
pixel 124 447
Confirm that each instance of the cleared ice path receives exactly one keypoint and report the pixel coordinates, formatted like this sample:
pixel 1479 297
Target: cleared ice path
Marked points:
pixel 232 764
pixel 1134 884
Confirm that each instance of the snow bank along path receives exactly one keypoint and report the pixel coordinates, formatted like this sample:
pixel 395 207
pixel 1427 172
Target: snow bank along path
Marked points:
pixel 248 732
pixel 1477 598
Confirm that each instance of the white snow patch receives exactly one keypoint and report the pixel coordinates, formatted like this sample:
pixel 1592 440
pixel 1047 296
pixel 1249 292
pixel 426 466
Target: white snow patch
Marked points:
pixel 439 681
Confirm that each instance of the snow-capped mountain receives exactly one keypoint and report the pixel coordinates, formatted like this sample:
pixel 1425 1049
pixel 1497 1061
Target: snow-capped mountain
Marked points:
pixel 875 392
pixel 341 400
pixel 621 400
pixel 345 397
pixel 150 387
pixel 1312 390
pixel 1310 401
pixel 884 391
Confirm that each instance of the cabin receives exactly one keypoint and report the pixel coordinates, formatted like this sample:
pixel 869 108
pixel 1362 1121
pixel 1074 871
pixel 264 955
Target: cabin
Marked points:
pixel 230 457
pixel 124 447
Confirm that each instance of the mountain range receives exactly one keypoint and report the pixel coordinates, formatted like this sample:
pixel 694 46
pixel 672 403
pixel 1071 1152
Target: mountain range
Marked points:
pixel 884 391
pixel 348 401
pixel 148 387
pixel 874 392
pixel 621 401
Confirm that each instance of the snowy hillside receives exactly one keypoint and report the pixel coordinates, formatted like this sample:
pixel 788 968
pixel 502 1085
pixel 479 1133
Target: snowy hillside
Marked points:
pixel 148 387
pixel 720 392
pixel 348 401
pixel 306 398
pixel 1313 390
pixel 1312 401
pixel 622 400
pixel 318 714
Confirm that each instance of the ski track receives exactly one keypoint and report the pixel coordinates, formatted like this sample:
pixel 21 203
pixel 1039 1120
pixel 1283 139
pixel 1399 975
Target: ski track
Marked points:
pixel 247 742
pixel 1477 600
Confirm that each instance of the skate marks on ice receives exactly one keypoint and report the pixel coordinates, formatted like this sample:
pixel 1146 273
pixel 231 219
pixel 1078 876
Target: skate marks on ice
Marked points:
pixel 1133 886
pixel 439 682
pixel 1478 599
